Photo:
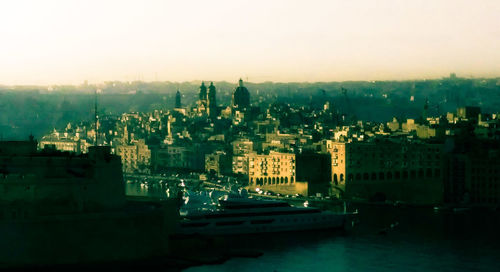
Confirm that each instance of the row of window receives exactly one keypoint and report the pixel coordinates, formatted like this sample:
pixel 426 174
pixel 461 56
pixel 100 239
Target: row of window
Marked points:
pixel 412 174
pixel 269 180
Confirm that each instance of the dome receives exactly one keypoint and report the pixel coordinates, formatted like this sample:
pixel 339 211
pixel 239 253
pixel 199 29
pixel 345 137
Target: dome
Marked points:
pixel 241 96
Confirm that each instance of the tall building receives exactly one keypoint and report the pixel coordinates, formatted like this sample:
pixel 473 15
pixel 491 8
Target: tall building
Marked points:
pixel 211 100
pixel 178 100
pixel 241 97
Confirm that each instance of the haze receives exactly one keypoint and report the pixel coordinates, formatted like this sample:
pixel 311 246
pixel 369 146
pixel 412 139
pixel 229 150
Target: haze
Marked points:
pixel 67 42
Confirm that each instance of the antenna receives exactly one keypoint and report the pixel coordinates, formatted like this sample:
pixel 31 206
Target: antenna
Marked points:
pixel 95 118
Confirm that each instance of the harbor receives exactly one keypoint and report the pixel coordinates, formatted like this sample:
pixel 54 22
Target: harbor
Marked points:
pixel 385 238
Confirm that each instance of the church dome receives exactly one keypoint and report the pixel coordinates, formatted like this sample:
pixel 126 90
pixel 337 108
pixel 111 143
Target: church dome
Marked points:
pixel 241 96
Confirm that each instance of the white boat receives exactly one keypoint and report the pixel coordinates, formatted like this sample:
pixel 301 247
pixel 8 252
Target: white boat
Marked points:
pixel 247 216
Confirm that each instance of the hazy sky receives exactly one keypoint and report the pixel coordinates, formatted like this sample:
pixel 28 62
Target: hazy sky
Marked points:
pixel 54 42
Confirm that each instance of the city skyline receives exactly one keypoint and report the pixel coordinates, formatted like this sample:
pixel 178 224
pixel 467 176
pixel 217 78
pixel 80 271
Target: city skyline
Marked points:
pixel 69 42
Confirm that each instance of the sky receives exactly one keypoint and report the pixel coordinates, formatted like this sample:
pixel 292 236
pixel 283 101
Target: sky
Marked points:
pixel 67 42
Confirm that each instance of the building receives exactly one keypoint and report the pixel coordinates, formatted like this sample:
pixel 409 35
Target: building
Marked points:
pixel 136 157
pixel 218 163
pixel 212 101
pixel 65 141
pixel 472 174
pixel 388 170
pixel 178 103
pixel 241 98
pixel 307 174
pixel 63 209
pixel 274 171
pixel 180 157
pixel 468 113
pixel 202 103
pixel 241 149
pixel 314 169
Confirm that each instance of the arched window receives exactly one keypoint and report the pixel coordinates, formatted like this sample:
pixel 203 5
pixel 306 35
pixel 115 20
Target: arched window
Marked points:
pixel 291 180
pixel 265 180
pixel 281 180
pixel 397 175
pixel 335 179
pixel 274 180
pixel 389 175
pixel 251 180
pixel 405 174
pixel 286 179
pixel 341 177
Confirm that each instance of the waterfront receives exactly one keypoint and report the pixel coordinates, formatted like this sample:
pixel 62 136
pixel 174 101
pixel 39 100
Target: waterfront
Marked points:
pixel 420 240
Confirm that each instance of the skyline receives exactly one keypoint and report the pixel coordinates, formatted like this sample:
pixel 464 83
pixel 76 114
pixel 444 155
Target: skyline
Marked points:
pixel 68 42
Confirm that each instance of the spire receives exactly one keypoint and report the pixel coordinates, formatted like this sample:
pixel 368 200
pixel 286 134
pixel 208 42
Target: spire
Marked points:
pixel 178 99
pixel 240 82
pixel 203 91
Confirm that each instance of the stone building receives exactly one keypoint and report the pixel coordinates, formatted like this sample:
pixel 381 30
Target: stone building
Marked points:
pixel 274 171
pixel 217 163
pixel 472 173
pixel 136 157
pixel 241 149
pixel 388 170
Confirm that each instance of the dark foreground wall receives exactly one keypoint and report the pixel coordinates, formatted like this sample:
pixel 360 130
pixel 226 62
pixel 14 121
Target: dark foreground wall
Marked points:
pixel 87 238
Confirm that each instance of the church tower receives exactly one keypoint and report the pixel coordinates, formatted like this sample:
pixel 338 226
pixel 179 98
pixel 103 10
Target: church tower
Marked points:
pixel 212 101
pixel 203 92
pixel 202 102
pixel 178 104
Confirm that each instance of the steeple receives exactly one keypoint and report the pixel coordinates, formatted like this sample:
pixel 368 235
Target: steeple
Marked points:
pixel 178 99
pixel 240 83
pixel 203 91
pixel 212 101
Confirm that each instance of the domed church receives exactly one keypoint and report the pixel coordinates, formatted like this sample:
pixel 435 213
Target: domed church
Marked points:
pixel 241 97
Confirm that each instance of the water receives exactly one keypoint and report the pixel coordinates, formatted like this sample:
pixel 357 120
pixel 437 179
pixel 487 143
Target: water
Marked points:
pixel 421 240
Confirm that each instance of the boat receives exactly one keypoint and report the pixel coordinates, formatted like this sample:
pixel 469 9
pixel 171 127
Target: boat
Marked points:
pixel 243 215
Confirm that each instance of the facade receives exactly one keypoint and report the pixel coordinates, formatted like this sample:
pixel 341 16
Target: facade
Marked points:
pixel 472 173
pixel 70 142
pixel 178 157
pixel 274 172
pixel 135 157
pixel 217 163
pixel 388 170
pixel 241 149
